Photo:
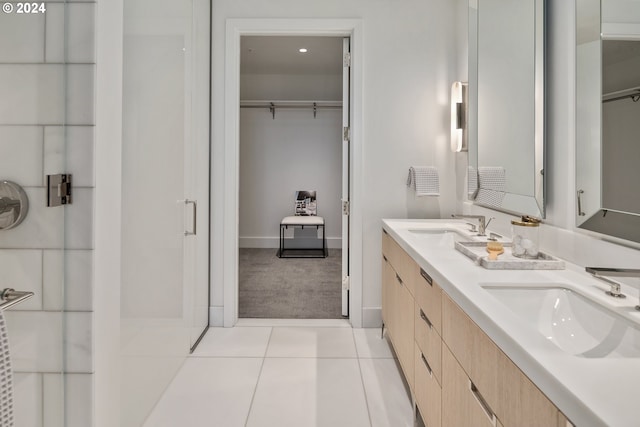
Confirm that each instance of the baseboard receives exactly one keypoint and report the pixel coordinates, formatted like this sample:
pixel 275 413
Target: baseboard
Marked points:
pixel 371 317
pixel 274 242
pixel 216 316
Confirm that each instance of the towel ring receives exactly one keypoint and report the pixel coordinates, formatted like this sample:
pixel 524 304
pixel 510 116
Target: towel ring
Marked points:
pixel 14 205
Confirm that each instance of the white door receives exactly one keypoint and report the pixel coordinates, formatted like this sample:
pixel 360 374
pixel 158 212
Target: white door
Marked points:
pixel 346 74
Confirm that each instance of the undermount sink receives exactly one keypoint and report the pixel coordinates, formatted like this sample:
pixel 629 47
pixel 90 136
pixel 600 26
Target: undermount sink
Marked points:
pixel 571 321
pixel 446 234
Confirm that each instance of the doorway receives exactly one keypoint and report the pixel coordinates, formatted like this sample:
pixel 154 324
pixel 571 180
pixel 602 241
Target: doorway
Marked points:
pixel 224 258
pixel 293 93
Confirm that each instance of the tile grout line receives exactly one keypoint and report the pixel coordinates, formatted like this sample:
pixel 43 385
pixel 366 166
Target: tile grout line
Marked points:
pixel 255 390
pixel 364 389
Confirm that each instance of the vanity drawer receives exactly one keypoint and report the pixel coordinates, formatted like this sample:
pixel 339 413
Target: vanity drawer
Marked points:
pixel 428 393
pixel 428 341
pixel 429 297
pixel 463 404
pixel 476 353
pixel 401 262
pixel 523 404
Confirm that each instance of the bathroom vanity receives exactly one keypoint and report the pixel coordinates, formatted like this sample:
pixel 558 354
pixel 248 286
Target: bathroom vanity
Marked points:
pixel 476 351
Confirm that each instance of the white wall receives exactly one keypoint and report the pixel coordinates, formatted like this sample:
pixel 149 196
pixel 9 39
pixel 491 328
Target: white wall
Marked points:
pixel 409 54
pixel 291 87
pixel 279 156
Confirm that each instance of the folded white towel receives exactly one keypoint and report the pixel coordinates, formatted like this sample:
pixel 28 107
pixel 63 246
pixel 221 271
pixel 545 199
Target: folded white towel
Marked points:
pixel 6 378
pixel 490 198
pixel 492 178
pixel 424 180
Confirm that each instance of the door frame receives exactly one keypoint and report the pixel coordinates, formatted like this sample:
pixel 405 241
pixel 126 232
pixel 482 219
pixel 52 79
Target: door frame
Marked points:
pixel 235 28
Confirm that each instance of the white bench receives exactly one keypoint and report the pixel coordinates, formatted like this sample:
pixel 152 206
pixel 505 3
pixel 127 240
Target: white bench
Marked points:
pixel 302 222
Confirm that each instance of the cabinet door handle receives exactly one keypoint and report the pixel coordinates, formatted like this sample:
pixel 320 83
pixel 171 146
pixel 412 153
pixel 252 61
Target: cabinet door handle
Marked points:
pixel 426 277
pixel 385 258
pixel 399 279
pixel 426 319
pixel 580 212
pixel 483 403
pixel 424 360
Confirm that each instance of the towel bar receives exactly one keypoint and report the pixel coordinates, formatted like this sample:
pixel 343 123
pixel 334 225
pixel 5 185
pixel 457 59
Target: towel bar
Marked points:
pixel 12 297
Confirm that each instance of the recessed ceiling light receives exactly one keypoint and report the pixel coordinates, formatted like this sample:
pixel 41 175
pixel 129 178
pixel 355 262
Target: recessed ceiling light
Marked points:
pixel 302 50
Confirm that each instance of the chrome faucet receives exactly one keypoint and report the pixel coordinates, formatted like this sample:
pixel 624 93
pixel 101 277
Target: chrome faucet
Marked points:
pixel 604 274
pixel 482 222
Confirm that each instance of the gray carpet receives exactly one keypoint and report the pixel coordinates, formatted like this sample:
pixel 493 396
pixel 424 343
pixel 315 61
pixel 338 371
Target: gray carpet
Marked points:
pixel 281 288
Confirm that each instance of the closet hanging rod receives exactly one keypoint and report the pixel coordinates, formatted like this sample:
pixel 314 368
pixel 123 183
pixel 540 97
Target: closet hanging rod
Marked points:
pixel 633 93
pixel 274 105
pixel 291 104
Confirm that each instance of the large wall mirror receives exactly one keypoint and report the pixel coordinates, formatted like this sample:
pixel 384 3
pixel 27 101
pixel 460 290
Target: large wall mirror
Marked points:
pixel 608 117
pixel 506 105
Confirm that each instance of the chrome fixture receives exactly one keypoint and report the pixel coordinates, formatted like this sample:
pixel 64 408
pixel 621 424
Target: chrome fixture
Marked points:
pixel 7 204
pixel 194 216
pixel 604 274
pixel 482 222
pixel 59 189
pixel 11 297
pixel 580 211
pixel 459 117
pixel 474 228
pixel 14 205
pixel 494 236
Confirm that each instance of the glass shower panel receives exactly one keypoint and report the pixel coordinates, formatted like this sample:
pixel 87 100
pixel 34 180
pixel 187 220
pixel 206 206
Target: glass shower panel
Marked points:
pixel 161 118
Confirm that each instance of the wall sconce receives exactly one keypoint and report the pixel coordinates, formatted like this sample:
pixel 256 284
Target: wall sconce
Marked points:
pixel 459 116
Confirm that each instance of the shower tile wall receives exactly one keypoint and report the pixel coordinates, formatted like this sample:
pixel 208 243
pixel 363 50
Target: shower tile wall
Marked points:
pixel 47 77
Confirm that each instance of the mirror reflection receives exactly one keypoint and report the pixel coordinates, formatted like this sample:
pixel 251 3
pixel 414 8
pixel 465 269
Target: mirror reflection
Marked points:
pixel 506 105
pixel 608 117
pixel 620 125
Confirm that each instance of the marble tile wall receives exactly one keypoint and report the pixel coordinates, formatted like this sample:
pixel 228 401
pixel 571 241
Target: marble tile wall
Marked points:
pixel 47 74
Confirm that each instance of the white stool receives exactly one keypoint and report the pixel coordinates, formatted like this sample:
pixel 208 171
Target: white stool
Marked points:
pixel 302 222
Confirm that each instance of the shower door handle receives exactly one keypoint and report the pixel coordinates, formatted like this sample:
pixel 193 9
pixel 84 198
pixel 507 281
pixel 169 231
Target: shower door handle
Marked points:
pixel 194 217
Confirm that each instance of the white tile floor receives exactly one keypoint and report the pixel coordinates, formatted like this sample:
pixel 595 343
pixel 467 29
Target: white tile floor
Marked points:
pixel 284 375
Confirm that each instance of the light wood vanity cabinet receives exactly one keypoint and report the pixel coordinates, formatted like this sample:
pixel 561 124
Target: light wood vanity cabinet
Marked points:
pixel 473 350
pixel 523 403
pixel 398 316
pixel 412 315
pixel 458 376
pixel 403 332
pixel 461 404
pixel 428 392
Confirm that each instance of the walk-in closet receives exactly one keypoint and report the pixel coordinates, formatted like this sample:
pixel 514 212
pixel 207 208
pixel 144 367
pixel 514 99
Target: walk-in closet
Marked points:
pixel 291 146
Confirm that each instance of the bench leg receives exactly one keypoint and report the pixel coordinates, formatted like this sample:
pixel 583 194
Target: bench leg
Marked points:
pixel 324 242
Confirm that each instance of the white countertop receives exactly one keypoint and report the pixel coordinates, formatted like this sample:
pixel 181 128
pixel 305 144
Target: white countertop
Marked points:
pixel 589 391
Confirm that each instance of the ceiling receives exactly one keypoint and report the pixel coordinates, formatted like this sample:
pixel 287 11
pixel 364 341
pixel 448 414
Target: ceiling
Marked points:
pixel 280 55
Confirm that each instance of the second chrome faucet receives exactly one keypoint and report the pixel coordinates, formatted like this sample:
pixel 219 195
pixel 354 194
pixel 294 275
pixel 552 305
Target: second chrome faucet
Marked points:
pixel 482 222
